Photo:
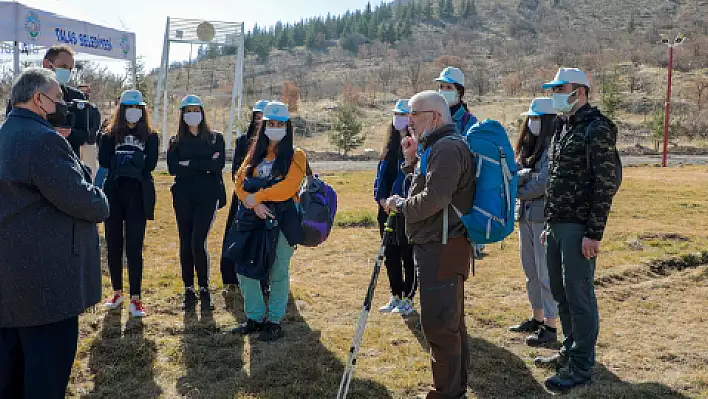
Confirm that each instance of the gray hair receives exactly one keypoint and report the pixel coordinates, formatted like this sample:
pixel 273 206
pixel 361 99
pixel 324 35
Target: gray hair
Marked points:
pixel 31 81
pixel 431 100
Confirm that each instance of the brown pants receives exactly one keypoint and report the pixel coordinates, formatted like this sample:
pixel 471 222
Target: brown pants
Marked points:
pixel 443 270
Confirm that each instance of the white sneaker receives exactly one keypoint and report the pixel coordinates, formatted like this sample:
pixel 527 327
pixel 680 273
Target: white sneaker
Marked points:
pixel 392 304
pixel 115 302
pixel 404 308
pixel 136 308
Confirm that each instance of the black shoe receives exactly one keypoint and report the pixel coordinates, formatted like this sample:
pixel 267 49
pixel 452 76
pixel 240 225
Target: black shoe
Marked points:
pixel 190 300
pixel 566 380
pixel 529 325
pixel 543 336
pixel 556 361
pixel 205 299
pixel 271 332
pixel 249 327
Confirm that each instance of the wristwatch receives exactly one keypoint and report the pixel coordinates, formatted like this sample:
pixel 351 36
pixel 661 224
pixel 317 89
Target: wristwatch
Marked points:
pixel 399 205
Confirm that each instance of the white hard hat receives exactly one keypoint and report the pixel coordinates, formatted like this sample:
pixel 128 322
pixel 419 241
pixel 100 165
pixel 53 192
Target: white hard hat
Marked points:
pixel 568 75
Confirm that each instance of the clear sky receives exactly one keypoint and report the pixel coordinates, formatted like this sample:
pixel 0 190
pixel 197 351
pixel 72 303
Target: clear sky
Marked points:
pixel 146 18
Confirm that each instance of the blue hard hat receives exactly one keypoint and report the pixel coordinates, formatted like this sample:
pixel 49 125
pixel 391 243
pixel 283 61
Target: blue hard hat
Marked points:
pixel 190 100
pixel 260 106
pixel 276 111
pixel 132 97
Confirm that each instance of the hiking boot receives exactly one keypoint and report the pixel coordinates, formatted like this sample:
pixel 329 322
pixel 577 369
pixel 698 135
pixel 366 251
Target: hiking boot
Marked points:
pixel 249 327
pixel 404 308
pixel 230 291
pixel 190 300
pixel 478 251
pixel 205 299
pixel 115 302
pixel 136 308
pixel 528 326
pixel 565 380
pixel 556 361
pixel 392 304
pixel 543 336
pixel 271 332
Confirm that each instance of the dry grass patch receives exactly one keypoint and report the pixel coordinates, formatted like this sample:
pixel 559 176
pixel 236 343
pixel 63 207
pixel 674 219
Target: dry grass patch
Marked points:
pixel 652 337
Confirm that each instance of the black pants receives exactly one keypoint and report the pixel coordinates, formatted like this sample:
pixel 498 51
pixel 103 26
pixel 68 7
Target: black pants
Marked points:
pixel 125 226
pixel 399 259
pixel 195 209
pixel 35 362
pixel 228 267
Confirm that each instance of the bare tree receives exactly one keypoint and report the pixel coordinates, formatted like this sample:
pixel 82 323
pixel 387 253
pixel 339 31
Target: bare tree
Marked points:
pixel 385 75
pixel 413 72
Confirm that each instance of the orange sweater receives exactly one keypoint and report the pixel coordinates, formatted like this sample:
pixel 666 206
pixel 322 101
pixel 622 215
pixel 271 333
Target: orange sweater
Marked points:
pixel 282 191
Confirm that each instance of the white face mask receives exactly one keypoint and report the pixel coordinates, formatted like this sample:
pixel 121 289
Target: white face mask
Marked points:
pixel 560 102
pixel 450 96
pixel 133 115
pixel 275 134
pixel 400 122
pixel 63 75
pixel 535 126
pixel 192 118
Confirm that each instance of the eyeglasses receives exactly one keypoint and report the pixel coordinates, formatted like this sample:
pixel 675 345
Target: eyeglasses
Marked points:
pixel 416 113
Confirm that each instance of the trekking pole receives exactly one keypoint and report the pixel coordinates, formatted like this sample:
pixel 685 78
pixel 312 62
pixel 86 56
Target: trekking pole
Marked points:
pixel 361 324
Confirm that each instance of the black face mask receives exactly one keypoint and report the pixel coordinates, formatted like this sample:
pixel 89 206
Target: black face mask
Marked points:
pixel 60 116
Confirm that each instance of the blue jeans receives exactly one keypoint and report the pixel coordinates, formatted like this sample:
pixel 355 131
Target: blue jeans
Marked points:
pixel 253 301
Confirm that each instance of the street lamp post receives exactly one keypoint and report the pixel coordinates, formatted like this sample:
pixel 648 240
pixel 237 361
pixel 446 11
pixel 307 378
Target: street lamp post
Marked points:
pixel 677 41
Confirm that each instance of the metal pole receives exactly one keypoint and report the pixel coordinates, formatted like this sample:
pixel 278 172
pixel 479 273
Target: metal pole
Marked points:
pixel 348 374
pixel 16 46
pixel 160 83
pixel 668 107
pixel 236 91
pixel 16 58
pixel 165 85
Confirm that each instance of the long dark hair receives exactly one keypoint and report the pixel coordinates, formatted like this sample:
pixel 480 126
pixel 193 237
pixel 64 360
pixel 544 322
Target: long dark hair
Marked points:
pixel 393 140
pixel 118 128
pixel 252 127
pixel 529 147
pixel 204 132
pixel 283 151
pixel 461 92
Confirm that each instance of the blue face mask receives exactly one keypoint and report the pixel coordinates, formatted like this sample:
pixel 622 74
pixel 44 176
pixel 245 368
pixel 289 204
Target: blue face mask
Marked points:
pixel 62 75
pixel 450 96
pixel 560 102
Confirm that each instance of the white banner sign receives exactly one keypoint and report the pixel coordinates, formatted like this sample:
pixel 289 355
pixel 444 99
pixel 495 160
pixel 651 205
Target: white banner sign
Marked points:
pixel 42 28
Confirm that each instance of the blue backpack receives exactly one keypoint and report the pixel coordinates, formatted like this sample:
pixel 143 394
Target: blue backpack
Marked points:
pixel 491 216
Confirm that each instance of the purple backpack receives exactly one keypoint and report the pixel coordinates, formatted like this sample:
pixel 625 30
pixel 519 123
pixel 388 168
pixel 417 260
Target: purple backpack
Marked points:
pixel 318 205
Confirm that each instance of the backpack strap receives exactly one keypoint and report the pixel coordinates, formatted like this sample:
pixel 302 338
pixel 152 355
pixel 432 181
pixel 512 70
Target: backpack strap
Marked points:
pixel 308 169
pixel 465 119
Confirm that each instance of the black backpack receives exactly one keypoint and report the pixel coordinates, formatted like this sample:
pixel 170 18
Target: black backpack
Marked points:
pixel 618 160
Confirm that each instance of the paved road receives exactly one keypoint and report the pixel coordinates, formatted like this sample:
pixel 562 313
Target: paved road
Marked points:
pixel 351 166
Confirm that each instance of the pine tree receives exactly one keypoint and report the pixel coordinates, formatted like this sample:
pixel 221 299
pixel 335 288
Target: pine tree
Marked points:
pixel 346 130
pixel 441 9
pixel 428 10
pixel 449 8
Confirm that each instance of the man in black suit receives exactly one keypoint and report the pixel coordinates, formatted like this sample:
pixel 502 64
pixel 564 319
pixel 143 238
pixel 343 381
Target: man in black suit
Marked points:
pixel 60 59
pixel 49 251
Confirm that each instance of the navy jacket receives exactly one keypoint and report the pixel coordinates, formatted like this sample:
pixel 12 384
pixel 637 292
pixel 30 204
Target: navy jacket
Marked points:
pixel 49 249
pixel 252 241
pixel 390 178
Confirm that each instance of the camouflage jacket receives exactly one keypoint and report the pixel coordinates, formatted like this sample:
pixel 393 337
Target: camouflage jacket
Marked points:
pixel 572 196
